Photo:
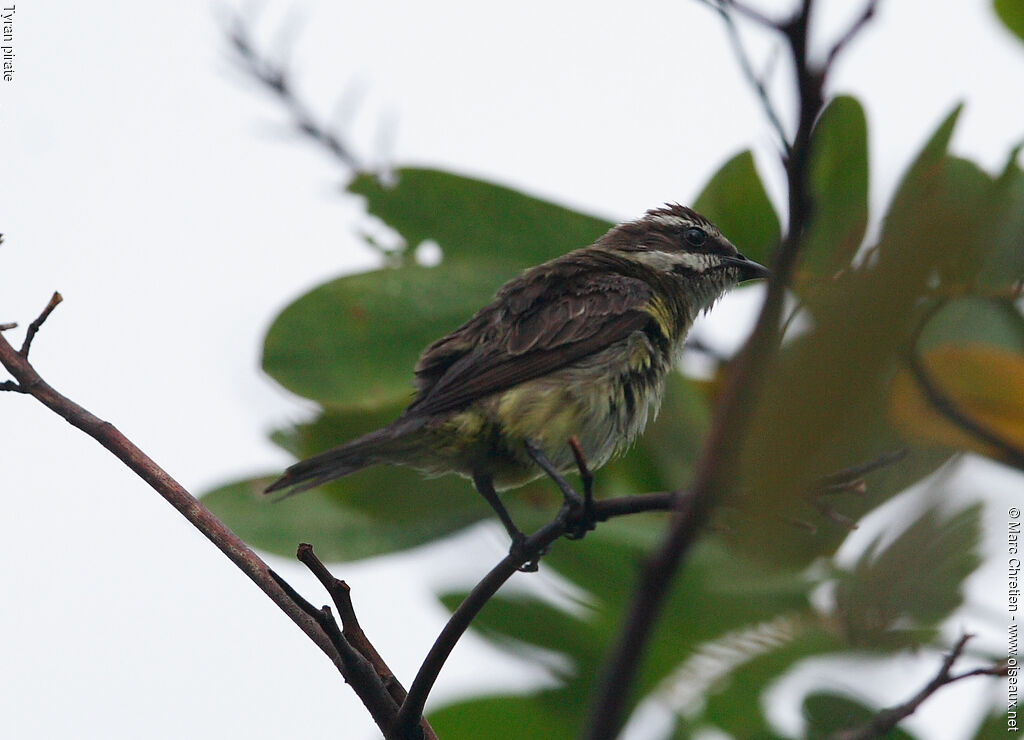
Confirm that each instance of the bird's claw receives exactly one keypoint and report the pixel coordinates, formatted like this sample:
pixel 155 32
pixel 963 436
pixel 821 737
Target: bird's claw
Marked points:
pixel 518 550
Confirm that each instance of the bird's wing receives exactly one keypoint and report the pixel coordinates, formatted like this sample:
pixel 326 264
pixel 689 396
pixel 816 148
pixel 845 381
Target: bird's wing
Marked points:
pixel 536 325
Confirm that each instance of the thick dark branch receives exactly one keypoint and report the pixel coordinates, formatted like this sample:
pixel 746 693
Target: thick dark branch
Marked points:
pixel 887 719
pixel 719 460
pixel 377 700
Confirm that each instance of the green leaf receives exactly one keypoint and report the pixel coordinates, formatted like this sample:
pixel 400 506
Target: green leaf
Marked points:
pixel 839 188
pixel 471 218
pixel 996 322
pixel 340 531
pixel 825 404
pixel 539 715
pixel 1011 13
pixel 733 705
pixel 1003 224
pixel 353 342
pixel 898 594
pixel 735 199
pixel 827 714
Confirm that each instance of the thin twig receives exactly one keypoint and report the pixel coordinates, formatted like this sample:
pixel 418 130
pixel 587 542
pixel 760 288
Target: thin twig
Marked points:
pixel 722 8
pixel 854 472
pixel 276 79
pixel 353 631
pixel 752 13
pixel 30 334
pixel 855 28
pixel 887 719
pixel 379 703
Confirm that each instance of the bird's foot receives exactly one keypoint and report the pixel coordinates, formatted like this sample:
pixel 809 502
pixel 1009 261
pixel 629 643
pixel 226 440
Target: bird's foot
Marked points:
pixel 577 513
pixel 518 550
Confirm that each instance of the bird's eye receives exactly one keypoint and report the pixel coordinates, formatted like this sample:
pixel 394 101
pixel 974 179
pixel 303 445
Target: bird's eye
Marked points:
pixel 695 237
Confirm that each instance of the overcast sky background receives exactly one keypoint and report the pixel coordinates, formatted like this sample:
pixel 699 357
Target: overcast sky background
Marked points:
pixel 165 196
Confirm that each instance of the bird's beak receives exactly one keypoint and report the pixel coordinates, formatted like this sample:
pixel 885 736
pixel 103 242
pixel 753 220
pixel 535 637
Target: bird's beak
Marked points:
pixel 749 270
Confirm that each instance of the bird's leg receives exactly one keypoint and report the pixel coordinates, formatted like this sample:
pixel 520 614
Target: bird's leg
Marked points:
pixel 485 486
pixel 575 509
pixel 587 479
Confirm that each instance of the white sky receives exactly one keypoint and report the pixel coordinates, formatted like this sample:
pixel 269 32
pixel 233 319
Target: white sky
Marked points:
pixel 166 199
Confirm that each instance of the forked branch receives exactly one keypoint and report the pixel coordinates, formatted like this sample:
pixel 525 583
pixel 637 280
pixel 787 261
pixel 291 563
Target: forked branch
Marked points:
pixel 887 719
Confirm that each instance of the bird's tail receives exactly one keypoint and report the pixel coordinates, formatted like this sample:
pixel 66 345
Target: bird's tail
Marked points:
pixel 376 447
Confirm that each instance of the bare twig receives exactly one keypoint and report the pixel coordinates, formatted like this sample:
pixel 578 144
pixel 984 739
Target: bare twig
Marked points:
pixel 276 78
pixel 33 328
pixel 855 28
pixel 887 719
pixel 752 13
pixel 379 703
pixel 353 631
pixel 723 7
pixel 854 472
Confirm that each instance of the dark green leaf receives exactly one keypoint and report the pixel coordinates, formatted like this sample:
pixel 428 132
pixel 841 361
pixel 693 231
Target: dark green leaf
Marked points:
pixel 339 531
pixel 736 201
pixel 354 341
pixel 540 715
pixel 1003 266
pixel 830 713
pixel 968 320
pixel 470 218
pixel 734 705
pixel 1011 13
pixel 839 188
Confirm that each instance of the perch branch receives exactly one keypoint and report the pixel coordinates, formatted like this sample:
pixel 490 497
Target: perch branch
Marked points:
pixel 533 547
pixel 26 380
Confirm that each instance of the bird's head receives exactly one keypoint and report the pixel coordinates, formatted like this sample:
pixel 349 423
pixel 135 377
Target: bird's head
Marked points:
pixel 677 239
pixel 686 250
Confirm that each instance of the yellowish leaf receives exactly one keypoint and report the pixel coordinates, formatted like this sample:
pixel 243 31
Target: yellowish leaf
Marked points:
pixel 982 382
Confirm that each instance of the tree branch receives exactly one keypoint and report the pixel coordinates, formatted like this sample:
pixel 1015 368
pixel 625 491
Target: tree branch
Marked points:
pixel 719 459
pixel 276 78
pixel 533 547
pixel 26 380
pixel 753 79
pixel 887 719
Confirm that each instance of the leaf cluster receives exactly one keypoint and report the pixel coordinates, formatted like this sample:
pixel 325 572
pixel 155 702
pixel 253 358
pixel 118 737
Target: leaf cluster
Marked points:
pixel 938 281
